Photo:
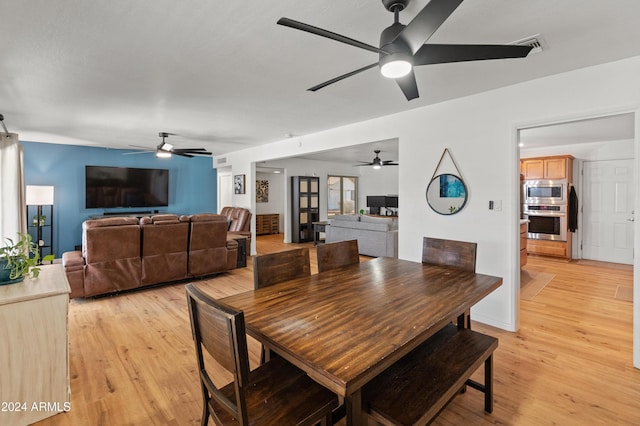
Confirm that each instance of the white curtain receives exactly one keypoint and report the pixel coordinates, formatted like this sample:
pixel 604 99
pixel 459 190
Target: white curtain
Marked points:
pixel 12 201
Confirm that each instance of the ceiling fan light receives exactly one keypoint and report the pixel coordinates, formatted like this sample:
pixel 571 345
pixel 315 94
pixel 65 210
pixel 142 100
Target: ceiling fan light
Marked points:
pixel 396 65
pixel 163 154
pixel 376 167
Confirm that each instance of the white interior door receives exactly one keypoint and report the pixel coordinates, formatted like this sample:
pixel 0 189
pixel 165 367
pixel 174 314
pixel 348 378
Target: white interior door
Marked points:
pixel 608 211
pixel 225 190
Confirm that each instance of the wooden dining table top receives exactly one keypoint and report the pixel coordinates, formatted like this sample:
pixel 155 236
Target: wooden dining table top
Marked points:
pixel 345 326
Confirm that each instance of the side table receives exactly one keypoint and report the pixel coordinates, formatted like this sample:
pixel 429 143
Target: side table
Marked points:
pixel 318 227
pixel 242 249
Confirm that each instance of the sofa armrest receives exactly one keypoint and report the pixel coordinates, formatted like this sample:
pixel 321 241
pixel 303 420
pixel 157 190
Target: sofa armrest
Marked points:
pixel 72 260
pixel 73 264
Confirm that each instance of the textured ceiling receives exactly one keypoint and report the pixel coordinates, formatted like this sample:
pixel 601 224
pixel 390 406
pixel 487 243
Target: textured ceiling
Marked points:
pixel 224 76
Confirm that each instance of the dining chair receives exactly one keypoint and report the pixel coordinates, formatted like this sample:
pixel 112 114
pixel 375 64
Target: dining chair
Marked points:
pixel 457 254
pixel 274 268
pixel 275 393
pixel 337 254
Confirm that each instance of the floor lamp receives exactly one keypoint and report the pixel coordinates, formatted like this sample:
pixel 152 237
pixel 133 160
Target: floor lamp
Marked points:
pixel 40 195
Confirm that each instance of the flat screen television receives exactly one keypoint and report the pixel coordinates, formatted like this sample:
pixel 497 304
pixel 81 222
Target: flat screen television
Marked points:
pixel 391 201
pixel 109 187
pixel 376 201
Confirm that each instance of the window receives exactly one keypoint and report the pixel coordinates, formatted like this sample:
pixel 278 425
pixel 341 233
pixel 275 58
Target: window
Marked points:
pixel 343 195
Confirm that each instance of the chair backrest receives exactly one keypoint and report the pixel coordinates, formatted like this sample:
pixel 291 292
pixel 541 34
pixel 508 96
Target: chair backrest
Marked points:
pixel 337 254
pixel 219 329
pixel 273 268
pixel 458 254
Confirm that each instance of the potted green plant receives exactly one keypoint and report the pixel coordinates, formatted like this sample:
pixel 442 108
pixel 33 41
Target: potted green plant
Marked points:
pixel 39 220
pixel 19 259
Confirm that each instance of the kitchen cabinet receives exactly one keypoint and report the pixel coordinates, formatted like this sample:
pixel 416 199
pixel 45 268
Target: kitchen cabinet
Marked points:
pixel 267 224
pixel 560 249
pixel 523 243
pixel 556 167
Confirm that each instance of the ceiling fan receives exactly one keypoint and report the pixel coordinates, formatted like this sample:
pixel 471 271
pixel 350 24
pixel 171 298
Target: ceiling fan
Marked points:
pixel 403 47
pixel 165 149
pixel 377 162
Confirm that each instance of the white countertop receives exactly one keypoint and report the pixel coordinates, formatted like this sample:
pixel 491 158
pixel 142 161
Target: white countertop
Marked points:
pixel 51 281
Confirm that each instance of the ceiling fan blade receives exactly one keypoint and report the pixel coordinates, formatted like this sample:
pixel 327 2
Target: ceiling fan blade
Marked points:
pixel 408 85
pixel 328 34
pixel 364 164
pixel 342 77
pixel 182 154
pixel 191 151
pixel 389 163
pixel 426 22
pixel 444 53
pixel 138 152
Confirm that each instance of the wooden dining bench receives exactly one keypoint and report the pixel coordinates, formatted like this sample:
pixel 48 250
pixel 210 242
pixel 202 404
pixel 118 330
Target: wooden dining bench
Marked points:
pixel 415 389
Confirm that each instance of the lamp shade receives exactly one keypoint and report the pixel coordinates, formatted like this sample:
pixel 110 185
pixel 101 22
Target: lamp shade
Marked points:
pixel 39 195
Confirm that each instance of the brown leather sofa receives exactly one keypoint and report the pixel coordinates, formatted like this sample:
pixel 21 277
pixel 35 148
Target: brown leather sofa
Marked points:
pixel 122 253
pixel 209 246
pixel 165 239
pixel 239 220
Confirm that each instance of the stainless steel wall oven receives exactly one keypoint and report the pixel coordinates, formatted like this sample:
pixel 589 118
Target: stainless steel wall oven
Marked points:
pixel 546 222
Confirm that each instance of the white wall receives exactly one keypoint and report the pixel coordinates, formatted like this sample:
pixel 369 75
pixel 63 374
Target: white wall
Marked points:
pixel 481 133
pixel 377 182
pixel 593 151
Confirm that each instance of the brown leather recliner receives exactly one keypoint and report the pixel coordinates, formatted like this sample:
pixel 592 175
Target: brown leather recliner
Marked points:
pixel 165 239
pixel 210 251
pixel 111 250
pixel 239 219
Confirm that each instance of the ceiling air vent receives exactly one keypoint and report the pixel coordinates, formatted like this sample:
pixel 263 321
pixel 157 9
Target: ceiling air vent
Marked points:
pixel 536 42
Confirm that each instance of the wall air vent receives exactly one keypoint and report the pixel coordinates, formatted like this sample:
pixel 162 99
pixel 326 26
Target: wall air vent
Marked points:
pixel 221 160
pixel 536 42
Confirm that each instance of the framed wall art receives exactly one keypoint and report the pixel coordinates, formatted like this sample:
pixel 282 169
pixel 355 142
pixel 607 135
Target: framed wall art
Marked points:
pixel 262 191
pixel 238 184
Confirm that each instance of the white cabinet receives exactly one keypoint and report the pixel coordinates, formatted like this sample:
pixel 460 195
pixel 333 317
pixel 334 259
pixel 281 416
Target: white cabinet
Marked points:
pixel 34 359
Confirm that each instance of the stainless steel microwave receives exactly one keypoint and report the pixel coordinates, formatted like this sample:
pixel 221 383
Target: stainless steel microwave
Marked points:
pixel 544 192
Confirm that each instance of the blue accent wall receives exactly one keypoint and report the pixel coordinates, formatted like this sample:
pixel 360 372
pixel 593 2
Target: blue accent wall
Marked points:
pixel 192 183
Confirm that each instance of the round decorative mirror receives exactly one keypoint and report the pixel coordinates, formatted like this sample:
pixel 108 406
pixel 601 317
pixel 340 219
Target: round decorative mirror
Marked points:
pixel 446 194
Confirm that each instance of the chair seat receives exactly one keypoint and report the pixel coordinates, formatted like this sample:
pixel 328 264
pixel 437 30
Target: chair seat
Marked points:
pixel 280 394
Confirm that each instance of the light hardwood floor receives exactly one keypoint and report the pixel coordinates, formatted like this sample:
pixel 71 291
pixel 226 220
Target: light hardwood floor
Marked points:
pixel 132 360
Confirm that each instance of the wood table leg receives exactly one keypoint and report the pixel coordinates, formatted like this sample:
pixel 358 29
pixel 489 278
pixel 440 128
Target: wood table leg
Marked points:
pixel 355 414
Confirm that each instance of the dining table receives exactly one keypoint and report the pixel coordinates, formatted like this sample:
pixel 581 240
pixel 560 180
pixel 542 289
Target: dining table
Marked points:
pixel 345 326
